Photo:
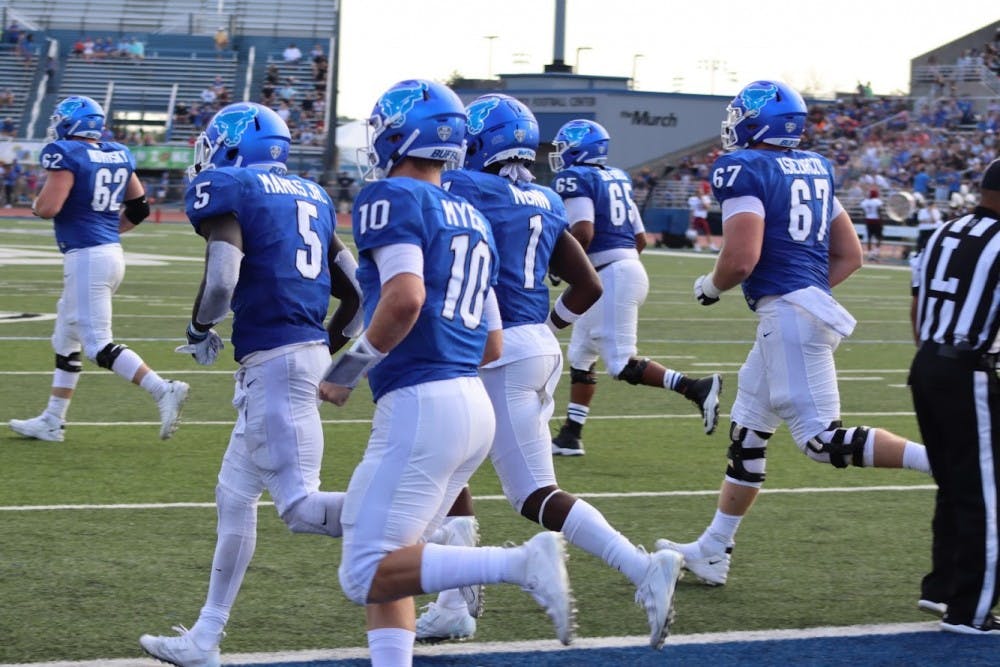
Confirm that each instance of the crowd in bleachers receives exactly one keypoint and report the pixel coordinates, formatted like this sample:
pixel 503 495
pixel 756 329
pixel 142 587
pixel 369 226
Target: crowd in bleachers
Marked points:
pixel 89 48
pixel 295 87
pixel 935 149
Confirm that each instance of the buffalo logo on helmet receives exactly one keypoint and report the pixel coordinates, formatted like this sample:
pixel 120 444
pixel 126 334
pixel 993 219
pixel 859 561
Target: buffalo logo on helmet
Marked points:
pixel 478 111
pixel 755 97
pixel 575 134
pixel 232 124
pixel 395 104
pixel 69 107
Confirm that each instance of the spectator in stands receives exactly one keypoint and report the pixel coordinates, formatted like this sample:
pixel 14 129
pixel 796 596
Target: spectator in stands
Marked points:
pixel 698 204
pixel 88 48
pixel 121 48
pixel 288 92
pixel 344 197
pixel 10 178
pixel 221 92
pixel 136 49
pixel 7 127
pixel 221 40
pixel 207 95
pixel 272 75
pixel 26 48
pixel 307 105
pixel 283 111
pixel 320 68
pixel 872 206
pixel 13 33
pixel 928 220
pixel 78 47
pixel 292 54
pixel 6 97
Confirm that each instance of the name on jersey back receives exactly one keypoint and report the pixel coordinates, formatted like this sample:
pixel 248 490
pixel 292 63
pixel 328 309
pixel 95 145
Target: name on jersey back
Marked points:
pixel 114 157
pixel 463 214
pixel 280 185
pixel 529 197
pixel 808 166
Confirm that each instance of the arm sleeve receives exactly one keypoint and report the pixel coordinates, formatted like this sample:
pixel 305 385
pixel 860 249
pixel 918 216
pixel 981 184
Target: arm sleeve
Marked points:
pixel 222 271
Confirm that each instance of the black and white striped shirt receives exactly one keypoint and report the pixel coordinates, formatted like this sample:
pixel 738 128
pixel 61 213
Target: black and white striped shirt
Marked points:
pixel 957 283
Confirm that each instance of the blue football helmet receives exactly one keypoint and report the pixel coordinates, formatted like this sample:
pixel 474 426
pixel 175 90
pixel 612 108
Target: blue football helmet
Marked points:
pixel 764 111
pixel 240 135
pixel 579 142
pixel 76 116
pixel 414 118
pixel 500 128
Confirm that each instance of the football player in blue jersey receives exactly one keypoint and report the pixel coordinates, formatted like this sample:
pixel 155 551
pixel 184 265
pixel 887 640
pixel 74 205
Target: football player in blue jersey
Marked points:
pixel 427 263
pixel 605 220
pixel 273 257
pixel 94 195
pixel 788 241
pixel 531 233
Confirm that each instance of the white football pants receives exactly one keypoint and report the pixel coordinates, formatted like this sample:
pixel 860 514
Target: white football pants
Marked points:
pixel 91 276
pixel 610 327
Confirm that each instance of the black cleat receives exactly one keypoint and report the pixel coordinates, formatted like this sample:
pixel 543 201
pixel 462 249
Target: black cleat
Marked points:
pixel 567 443
pixel 704 392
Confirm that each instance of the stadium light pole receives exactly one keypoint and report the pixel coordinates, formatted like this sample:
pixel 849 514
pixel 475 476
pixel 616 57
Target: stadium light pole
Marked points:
pixel 635 66
pixel 578 50
pixel 489 39
pixel 331 155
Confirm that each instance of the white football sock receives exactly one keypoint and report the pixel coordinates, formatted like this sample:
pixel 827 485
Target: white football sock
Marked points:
pixel 588 529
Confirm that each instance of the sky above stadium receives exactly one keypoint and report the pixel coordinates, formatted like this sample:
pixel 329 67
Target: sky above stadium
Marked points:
pixel 687 46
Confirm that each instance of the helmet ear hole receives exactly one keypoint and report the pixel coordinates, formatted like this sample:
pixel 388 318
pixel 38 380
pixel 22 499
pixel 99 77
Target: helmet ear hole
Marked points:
pixel 232 153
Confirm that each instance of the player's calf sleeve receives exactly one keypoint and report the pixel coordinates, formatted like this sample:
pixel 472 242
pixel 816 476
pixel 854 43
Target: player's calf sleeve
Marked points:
pixel 444 567
pixel 587 528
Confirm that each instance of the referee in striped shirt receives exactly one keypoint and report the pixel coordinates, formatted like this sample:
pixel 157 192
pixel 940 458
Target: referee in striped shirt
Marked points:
pixel 956 395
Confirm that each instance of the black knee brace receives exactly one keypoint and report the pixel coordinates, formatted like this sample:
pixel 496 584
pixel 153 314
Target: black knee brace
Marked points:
pixel 738 454
pixel 106 357
pixel 840 443
pixel 70 363
pixel 632 373
pixel 576 376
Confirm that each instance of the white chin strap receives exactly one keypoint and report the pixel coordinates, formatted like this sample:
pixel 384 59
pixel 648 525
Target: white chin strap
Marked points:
pixel 516 171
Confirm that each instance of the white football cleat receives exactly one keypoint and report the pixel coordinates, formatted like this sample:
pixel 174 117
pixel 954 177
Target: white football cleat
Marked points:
pixel 42 427
pixel 656 593
pixel 463 531
pixel 170 405
pixel 711 569
pixel 438 624
pixel 180 650
pixel 547 580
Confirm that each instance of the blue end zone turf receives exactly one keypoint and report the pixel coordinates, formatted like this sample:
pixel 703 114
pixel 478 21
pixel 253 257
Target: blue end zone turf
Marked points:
pixel 894 650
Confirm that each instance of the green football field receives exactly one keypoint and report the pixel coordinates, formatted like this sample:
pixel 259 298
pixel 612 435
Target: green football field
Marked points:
pixel 110 534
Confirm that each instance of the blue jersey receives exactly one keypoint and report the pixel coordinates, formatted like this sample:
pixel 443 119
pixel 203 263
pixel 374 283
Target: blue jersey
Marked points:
pixel 287 225
pixel 796 188
pixel 101 172
pixel 610 189
pixel 526 221
pixel 460 264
